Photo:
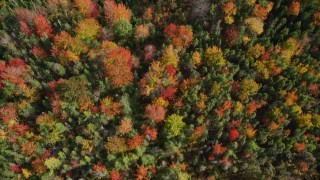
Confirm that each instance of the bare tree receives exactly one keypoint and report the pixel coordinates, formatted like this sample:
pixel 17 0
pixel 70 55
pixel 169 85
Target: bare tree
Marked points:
pixel 199 10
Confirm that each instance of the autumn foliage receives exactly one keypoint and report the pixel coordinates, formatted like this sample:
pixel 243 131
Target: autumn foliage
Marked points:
pixel 155 113
pixel 294 8
pixel 88 8
pixel 13 72
pixel 231 36
pixel 116 89
pixel 115 12
pixel 181 36
pixel 67 49
pixel 219 149
pixel 42 26
pixel 33 22
pixel 118 66
pixel 260 12
pixel 233 134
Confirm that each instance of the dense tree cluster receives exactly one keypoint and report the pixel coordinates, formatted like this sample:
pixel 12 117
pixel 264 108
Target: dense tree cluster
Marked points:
pixel 171 89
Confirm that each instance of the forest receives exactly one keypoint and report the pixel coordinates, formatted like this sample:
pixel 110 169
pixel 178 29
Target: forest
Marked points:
pixel 159 89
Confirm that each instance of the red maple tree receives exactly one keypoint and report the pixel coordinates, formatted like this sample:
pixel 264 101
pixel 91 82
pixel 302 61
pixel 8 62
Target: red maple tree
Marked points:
pixel 43 28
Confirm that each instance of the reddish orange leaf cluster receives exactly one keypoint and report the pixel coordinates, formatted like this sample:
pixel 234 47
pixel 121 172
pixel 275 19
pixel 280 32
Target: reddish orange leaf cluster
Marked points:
pixel 231 36
pixel 230 9
pixel 314 89
pixel 135 142
pixel 168 93
pixel 39 52
pixel 17 130
pixel 54 96
pixel 181 36
pixel 141 32
pixel 25 28
pixel 260 11
pixel 254 105
pixel 199 130
pixel 299 147
pixel 87 7
pixel 233 134
pixel 226 105
pixel 13 72
pixel 152 132
pixel 38 165
pixel 118 67
pixel 294 8
pixel 155 113
pixel 8 113
pixel 28 147
pixel 109 107
pixel 115 175
pixel 219 149
pixel 25 19
pixel 304 166
pixel 292 98
pixel 148 14
pixel 142 173
pixel 99 167
pixel 67 48
pixel 115 12
pixel 125 126
pixel 31 22
pixel 43 27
